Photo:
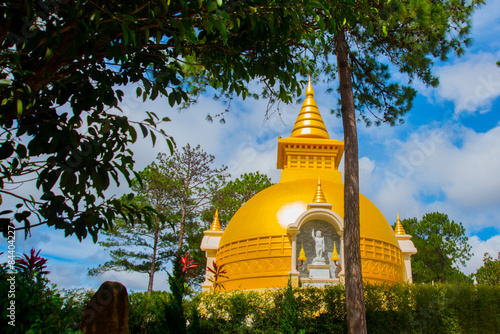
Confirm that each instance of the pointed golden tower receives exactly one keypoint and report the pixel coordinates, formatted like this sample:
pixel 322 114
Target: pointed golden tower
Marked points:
pixel 335 254
pixel 399 230
pixel 406 246
pixel 302 253
pixel 216 223
pixel 210 245
pixel 267 238
pixel 309 123
pixel 309 149
pixel 319 197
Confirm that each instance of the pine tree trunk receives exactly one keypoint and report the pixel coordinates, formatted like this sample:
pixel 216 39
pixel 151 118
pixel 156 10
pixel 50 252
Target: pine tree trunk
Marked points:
pixel 153 262
pixel 356 317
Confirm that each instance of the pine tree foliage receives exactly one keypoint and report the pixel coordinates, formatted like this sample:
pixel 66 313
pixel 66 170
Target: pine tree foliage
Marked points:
pixel 489 273
pixel 64 64
pixel 442 245
pixel 180 188
pixel 194 180
pixel 142 247
pixel 364 41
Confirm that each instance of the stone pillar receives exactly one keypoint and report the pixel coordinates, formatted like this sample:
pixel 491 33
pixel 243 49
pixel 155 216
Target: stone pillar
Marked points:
pixel 107 310
pixel 294 274
pixel 210 244
pixel 342 252
pixel 408 249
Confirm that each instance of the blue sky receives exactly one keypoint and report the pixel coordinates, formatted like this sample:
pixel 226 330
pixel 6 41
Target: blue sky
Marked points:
pixel 445 157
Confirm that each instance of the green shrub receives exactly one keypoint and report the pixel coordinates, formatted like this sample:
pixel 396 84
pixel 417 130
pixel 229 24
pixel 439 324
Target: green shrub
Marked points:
pixel 146 313
pixel 75 302
pixel 390 308
pixel 40 308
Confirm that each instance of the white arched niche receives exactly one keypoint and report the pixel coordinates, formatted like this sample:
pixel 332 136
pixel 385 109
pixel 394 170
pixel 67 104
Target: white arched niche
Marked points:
pixel 317 213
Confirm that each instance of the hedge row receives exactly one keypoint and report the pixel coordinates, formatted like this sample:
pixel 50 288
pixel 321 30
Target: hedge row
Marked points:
pixel 396 308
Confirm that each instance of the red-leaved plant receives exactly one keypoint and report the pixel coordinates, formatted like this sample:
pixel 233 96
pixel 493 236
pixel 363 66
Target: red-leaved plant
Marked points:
pixel 187 264
pixel 32 264
pixel 218 273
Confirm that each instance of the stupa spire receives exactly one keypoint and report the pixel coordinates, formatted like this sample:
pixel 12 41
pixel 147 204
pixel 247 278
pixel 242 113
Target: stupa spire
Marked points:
pixel 335 254
pixel 399 230
pixel 215 224
pixel 302 253
pixel 319 197
pixel 309 123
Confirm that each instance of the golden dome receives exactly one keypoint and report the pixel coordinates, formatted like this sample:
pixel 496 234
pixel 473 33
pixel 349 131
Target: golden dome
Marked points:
pixel 256 237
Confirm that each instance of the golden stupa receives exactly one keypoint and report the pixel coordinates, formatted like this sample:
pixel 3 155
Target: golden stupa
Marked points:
pixel 261 245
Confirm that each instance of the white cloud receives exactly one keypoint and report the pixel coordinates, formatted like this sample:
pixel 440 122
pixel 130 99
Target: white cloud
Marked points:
pixel 472 171
pixel 486 23
pixel 471 84
pixel 479 247
pixel 446 168
pixel 133 281
pixel 366 166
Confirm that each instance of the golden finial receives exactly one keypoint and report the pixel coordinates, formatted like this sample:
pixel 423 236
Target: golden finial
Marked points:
pixel 215 224
pixel 319 197
pixel 302 254
pixel 399 230
pixel 309 89
pixel 309 123
pixel 335 255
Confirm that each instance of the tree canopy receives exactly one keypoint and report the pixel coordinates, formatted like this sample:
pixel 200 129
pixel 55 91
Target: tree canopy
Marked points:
pixel 442 245
pixel 489 273
pixel 141 247
pixel 371 39
pixel 60 54
pixel 236 193
pixel 63 68
pixel 180 187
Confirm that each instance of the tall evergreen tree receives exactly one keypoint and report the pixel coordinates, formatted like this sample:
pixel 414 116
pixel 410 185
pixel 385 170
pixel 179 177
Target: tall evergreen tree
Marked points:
pixel 442 245
pixel 142 247
pixel 179 187
pixel 193 183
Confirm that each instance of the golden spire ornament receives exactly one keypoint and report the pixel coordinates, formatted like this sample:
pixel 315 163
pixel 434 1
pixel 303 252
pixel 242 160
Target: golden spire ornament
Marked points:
pixel 309 123
pixel 319 197
pixel 302 254
pixel 335 255
pixel 399 230
pixel 215 224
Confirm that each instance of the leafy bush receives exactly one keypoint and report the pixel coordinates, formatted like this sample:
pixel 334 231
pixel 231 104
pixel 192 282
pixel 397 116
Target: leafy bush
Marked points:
pixel 39 306
pixel 75 302
pixel 390 308
pixel 146 312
